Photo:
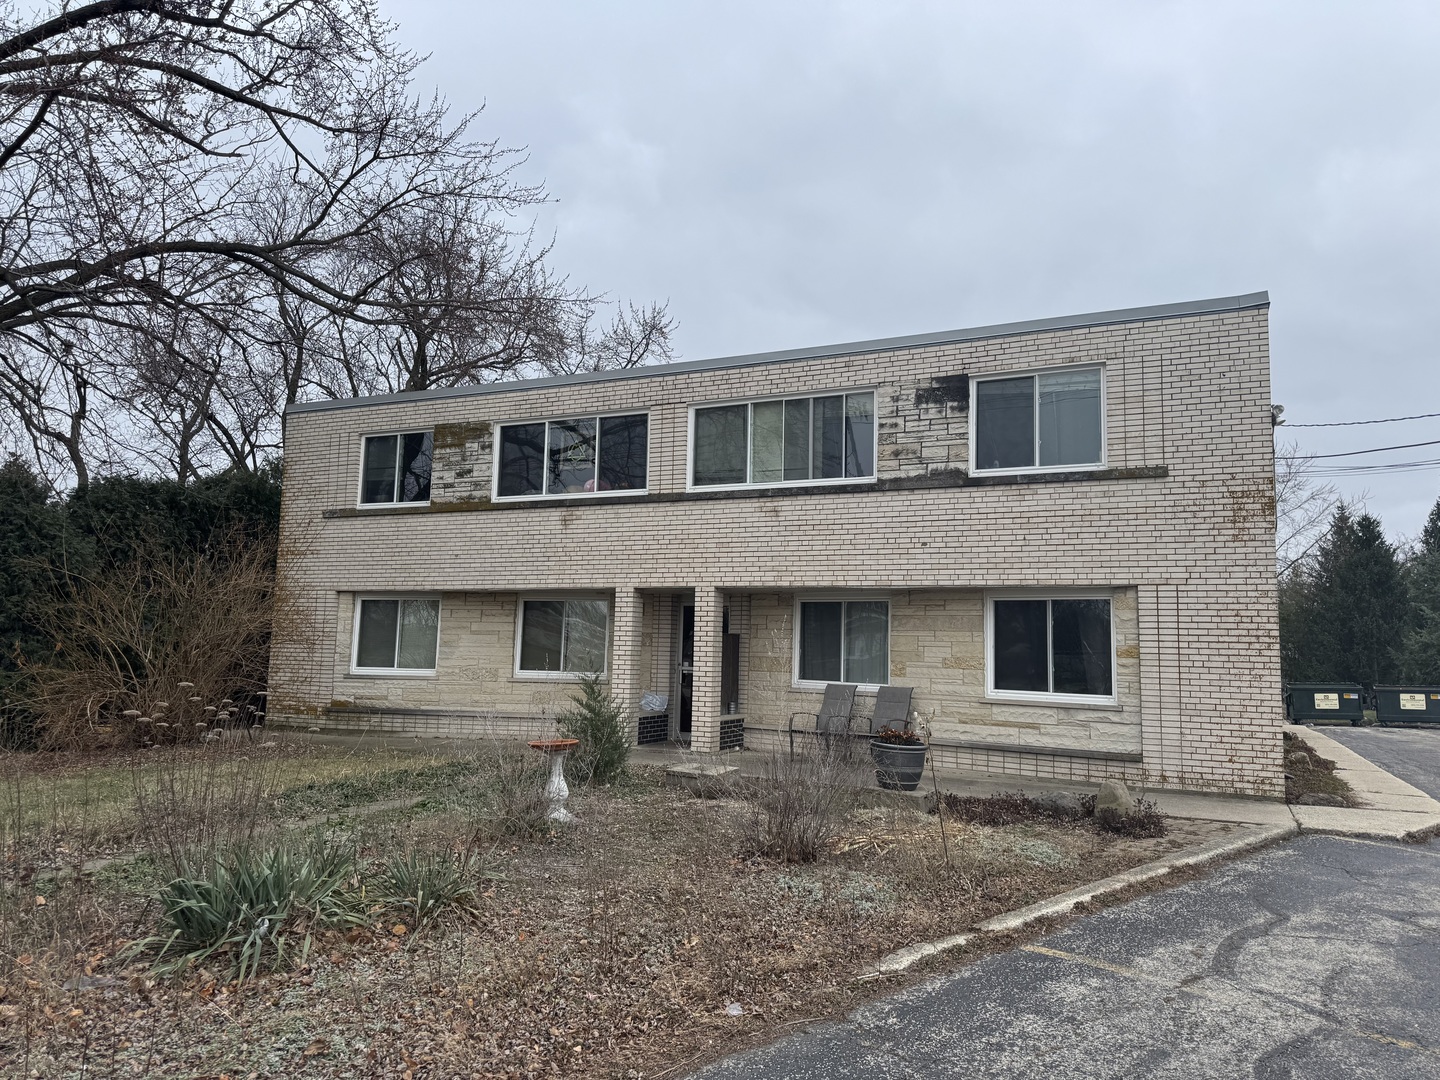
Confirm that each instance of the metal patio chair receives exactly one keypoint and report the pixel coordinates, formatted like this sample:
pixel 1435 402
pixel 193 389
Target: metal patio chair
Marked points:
pixel 892 708
pixel 833 717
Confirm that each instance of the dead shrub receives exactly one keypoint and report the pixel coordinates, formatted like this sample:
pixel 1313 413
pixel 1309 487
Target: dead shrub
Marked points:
pixel 519 806
pixel 1145 822
pixel 166 630
pixel 801 801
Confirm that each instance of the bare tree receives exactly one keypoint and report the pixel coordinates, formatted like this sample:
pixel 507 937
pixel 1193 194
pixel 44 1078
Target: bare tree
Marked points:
pixel 244 200
pixel 1303 506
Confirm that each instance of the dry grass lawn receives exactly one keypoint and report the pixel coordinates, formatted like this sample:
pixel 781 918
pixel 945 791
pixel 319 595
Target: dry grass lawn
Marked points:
pixel 641 941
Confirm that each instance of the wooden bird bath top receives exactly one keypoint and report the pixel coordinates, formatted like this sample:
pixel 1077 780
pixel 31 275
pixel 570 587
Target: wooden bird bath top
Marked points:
pixel 554 746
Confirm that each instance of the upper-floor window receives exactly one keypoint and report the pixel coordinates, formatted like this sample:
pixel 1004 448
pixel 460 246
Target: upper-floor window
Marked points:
pixel 396 468
pixel 587 455
pixel 797 440
pixel 1049 420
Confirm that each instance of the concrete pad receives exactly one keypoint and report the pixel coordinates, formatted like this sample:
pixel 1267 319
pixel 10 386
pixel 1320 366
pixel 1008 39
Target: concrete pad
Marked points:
pixel 1373 824
pixel 699 778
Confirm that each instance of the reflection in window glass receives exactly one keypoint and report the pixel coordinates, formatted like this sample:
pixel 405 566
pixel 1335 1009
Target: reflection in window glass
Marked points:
pixel 1069 417
pixel 1059 646
pixel 1021 651
pixel 790 440
pixel 396 468
pixel 572 457
pixel 720 436
pixel 828 438
pixel 564 636
pixel 1080 644
pixel 624 452
pixel 397 634
pixel 1005 424
pixel 522 459
pixel 860 435
pixel 845 641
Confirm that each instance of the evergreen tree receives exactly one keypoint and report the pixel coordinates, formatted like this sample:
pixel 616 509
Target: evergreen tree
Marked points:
pixel 1344 617
pixel 1420 653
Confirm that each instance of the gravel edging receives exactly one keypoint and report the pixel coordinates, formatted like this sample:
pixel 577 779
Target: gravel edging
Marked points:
pixel 1224 847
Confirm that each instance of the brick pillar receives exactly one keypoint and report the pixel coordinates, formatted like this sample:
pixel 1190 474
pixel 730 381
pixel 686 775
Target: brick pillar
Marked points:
pixel 626 678
pixel 705 704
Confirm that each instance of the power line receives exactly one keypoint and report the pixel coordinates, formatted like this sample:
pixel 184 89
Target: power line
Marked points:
pixel 1376 450
pixel 1358 423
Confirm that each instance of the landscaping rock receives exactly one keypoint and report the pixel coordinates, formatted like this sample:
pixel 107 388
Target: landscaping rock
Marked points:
pixel 1299 757
pixel 703 781
pixel 1115 797
pixel 1061 804
pixel 1320 798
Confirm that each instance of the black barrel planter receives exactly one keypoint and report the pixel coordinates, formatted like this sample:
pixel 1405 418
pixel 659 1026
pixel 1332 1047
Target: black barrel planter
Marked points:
pixel 898 767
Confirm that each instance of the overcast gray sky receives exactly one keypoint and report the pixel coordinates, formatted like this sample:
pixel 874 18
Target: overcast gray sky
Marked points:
pixel 790 174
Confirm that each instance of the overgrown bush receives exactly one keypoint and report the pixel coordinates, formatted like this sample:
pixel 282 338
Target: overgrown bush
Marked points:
pixel 254 908
pixel 518 794
pixel 598 721
pixel 802 800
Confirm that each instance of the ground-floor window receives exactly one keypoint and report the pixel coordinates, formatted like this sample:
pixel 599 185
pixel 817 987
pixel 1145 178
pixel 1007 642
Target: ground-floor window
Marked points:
pixel 843 641
pixel 1053 646
pixel 562 637
pixel 396 634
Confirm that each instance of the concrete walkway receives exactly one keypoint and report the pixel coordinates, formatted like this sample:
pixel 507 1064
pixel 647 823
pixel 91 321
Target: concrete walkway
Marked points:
pixel 1392 810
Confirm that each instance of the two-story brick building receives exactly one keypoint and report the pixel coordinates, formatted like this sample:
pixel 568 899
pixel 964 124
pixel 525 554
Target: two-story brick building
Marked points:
pixel 1059 533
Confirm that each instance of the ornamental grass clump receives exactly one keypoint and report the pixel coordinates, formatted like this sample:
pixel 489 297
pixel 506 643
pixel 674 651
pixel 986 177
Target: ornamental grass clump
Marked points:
pixel 425 883
pixel 254 909
pixel 598 721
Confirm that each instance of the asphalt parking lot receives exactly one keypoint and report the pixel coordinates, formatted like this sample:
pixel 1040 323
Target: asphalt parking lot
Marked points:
pixel 1317 958
pixel 1412 754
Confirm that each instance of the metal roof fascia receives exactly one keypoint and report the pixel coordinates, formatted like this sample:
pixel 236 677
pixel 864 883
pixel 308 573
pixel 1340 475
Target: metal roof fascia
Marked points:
pixel 1218 305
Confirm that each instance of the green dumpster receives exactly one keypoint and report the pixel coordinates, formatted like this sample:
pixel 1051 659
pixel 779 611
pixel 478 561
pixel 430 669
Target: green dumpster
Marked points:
pixel 1337 703
pixel 1407 704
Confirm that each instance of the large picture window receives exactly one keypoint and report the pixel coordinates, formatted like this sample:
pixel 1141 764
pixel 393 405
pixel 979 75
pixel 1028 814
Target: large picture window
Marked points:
pixel 1060 646
pixel 396 468
pixel 396 635
pixel 1045 421
pixel 583 456
pixel 784 441
pixel 843 641
pixel 562 637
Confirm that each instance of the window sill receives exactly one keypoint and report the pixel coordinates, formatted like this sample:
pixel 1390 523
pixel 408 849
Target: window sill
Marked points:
pixel 416 505
pixel 390 673
pixel 819 687
pixel 554 676
pixel 1061 701
pixel 568 496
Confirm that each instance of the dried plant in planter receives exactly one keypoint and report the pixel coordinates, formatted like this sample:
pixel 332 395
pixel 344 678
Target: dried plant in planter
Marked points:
pixel 893 736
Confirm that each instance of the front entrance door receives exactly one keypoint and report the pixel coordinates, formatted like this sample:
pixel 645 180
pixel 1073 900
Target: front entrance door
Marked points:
pixel 686 675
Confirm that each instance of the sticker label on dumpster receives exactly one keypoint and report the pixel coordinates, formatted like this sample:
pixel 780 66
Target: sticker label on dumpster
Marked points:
pixel 1350 697
pixel 1412 701
pixel 1327 701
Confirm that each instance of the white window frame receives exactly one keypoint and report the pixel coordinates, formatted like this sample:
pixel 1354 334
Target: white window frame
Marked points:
pixel 1035 373
pixel 563 676
pixel 690 484
pixel 495 495
pixel 360 503
pixel 1036 697
pixel 393 672
pixel 798 683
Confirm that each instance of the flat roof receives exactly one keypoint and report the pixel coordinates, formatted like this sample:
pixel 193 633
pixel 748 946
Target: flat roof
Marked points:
pixel 1217 305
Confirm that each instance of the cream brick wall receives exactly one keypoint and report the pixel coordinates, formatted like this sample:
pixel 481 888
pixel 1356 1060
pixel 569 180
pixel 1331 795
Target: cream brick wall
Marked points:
pixel 1187 543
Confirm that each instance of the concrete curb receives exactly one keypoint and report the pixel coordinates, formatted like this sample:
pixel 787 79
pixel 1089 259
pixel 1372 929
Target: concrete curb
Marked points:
pixel 1064 904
